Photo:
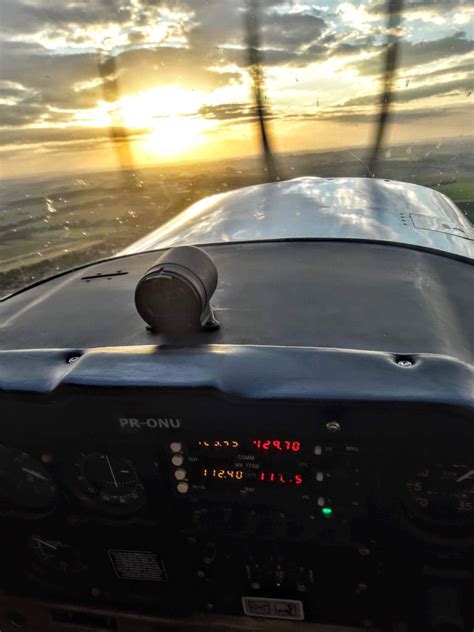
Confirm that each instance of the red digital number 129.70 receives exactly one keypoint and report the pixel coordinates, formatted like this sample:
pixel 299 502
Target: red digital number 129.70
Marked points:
pixel 277 444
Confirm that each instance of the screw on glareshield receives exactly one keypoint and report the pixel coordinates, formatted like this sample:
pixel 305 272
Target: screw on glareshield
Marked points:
pixel 333 426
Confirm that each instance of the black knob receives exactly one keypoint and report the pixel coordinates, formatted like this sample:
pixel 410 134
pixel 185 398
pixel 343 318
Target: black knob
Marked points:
pixel 173 296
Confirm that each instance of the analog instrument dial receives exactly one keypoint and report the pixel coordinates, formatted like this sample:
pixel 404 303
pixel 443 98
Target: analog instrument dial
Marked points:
pixel 108 483
pixel 24 482
pixel 52 555
pixel 443 492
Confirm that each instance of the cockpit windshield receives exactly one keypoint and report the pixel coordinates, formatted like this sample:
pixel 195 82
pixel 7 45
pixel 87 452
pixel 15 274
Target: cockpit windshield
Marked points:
pixel 116 116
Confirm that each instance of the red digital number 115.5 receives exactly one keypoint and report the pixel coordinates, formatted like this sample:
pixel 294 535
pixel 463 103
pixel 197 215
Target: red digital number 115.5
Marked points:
pixel 281 479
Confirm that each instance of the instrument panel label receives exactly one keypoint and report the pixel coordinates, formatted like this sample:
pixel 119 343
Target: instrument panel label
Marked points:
pixel 150 423
pixel 138 565
pixel 273 608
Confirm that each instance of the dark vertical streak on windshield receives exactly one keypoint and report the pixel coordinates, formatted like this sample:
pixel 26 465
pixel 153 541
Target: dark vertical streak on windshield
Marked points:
pixel 252 23
pixel 117 131
pixel 394 11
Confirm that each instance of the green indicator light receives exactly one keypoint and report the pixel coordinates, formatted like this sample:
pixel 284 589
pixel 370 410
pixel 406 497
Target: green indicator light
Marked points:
pixel 327 512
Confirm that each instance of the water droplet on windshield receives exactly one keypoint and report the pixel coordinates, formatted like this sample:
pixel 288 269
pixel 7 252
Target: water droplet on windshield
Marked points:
pixel 50 205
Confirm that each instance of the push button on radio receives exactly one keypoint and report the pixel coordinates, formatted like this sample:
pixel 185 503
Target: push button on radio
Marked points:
pixel 177 460
pixel 180 474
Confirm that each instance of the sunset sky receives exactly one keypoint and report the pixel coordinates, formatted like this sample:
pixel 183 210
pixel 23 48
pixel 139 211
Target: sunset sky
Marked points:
pixel 180 83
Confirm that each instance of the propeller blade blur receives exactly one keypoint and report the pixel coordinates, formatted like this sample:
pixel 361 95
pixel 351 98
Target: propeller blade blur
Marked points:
pixel 252 23
pixel 118 132
pixel 394 12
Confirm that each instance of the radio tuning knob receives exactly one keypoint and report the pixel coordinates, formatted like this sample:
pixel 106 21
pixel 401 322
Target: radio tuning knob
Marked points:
pixel 199 518
pixel 279 576
pixel 209 553
pixel 227 518
pixel 255 576
pixel 304 579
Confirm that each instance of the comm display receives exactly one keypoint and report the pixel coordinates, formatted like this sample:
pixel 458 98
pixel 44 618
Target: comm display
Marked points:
pixel 264 444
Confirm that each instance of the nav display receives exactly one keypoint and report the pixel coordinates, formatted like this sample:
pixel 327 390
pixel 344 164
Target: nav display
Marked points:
pixel 256 477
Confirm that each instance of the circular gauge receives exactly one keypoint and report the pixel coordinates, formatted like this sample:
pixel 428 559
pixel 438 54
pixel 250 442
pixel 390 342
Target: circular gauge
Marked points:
pixel 108 483
pixel 55 556
pixel 24 482
pixel 443 492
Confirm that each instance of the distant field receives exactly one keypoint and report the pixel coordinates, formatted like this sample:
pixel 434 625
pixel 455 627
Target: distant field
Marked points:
pixel 463 194
pixel 458 190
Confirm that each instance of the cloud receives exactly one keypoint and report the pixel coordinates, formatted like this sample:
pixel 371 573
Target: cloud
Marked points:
pixel 379 7
pixel 19 17
pixel 65 80
pixel 34 135
pixel 52 80
pixel 456 86
pixel 416 54
pixel 397 116
pixel 228 111
pixel 217 33
pixel 235 113
pixel 429 51
pixel 141 68
pixel 49 76
pixel 20 114
pixel 462 67
pixel 50 61
pixel 294 30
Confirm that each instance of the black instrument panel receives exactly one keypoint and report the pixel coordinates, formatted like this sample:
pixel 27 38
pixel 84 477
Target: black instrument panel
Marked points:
pixel 142 501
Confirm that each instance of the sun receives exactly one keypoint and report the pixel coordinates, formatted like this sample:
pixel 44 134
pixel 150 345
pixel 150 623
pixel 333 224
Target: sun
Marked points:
pixel 169 113
pixel 160 101
pixel 174 136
